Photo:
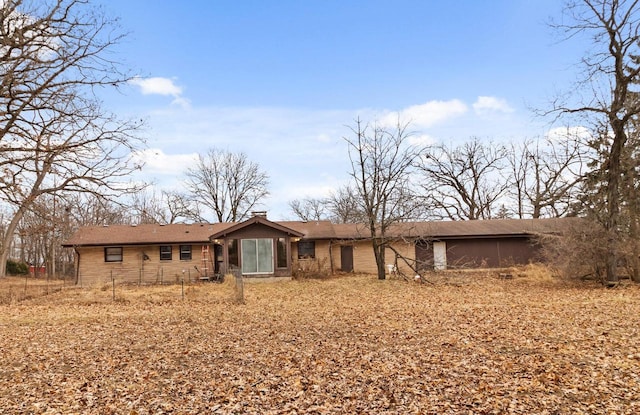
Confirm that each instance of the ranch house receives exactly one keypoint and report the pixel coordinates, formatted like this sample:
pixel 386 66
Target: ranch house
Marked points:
pixel 260 248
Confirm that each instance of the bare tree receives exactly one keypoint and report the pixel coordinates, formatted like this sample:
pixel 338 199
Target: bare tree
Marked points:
pixel 381 164
pixel 345 206
pixel 309 208
pixel 52 219
pixel 164 208
pixel 87 209
pixel 604 96
pixel 41 231
pixel 146 207
pixel 464 182
pixel 594 201
pixel 54 135
pixel 176 207
pixel 341 206
pixel 631 209
pixel 545 176
pixel 228 184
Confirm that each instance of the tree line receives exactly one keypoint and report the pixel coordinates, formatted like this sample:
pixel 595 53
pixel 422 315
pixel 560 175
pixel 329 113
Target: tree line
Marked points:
pixel 475 179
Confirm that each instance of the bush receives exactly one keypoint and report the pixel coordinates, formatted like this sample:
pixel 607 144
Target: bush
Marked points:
pixel 17 268
pixel 579 252
pixel 311 268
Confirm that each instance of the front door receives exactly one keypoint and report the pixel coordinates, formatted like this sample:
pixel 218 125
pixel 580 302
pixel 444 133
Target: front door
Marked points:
pixel 439 256
pixel 346 258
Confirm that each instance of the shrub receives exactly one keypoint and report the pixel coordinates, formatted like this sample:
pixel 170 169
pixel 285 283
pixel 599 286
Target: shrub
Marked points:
pixel 311 268
pixel 17 268
pixel 579 252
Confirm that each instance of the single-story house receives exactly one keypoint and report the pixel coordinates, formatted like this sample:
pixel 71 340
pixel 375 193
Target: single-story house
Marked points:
pixel 258 247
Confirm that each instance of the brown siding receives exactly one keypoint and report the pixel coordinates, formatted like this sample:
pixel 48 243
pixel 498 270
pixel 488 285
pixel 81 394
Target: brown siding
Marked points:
pixel 94 270
pixel 489 253
pixel 424 256
pixel 257 230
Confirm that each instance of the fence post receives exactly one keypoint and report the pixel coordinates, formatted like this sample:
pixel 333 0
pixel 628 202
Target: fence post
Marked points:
pixel 239 286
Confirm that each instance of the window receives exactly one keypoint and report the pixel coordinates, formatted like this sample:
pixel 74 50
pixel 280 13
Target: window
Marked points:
pixel 185 252
pixel 306 249
pixel 113 254
pixel 257 256
pixel 165 253
pixel 281 252
pixel 232 252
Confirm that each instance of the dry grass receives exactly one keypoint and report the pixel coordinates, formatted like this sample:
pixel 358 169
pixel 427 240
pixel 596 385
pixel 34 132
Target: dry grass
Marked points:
pixel 15 289
pixel 354 344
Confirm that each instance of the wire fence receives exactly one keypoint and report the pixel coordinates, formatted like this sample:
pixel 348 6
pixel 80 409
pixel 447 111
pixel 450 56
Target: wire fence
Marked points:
pixel 17 289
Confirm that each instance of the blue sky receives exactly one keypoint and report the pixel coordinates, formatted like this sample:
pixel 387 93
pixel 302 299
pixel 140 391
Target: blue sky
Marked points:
pixel 282 80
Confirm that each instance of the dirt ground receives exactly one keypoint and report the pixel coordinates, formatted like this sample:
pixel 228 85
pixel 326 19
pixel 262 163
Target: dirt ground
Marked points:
pixel 475 344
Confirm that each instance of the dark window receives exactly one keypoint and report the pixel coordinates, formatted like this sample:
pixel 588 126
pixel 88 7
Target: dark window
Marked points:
pixel 281 250
pixel 233 253
pixel 165 252
pixel 306 249
pixel 113 254
pixel 185 252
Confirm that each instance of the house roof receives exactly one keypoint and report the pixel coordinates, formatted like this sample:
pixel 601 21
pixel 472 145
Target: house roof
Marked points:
pixel 253 221
pixel 435 230
pixel 203 232
pixel 144 234
pixel 481 228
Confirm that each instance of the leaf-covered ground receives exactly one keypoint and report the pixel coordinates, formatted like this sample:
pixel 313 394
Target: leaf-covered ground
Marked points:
pixel 347 345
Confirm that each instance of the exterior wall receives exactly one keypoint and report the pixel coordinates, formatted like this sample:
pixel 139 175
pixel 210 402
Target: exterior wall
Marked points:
pixel 408 251
pixel 365 262
pixel 461 253
pixel 258 231
pixel 489 253
pixel 479 252
pixel 325 252
pixel 94 270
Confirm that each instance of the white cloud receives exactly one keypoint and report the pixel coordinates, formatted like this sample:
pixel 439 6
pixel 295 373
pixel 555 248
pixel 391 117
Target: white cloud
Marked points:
pixel 427 114
pixel 568 133
pixel 162 86
pixel 157 86
pixel 158 163
pixel 181 102
pixel 421 140
pixel 485 105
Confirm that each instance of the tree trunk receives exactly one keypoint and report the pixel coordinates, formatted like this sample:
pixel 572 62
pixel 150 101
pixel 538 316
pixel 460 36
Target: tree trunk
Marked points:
pixel 613 205
pixel 378 252
pixel 7 239
pixel 634 259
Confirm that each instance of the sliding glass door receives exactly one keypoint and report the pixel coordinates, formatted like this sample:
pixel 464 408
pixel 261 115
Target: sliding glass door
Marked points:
pixel 257 256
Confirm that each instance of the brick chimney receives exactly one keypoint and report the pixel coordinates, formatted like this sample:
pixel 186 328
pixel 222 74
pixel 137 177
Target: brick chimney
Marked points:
pixel 259 214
